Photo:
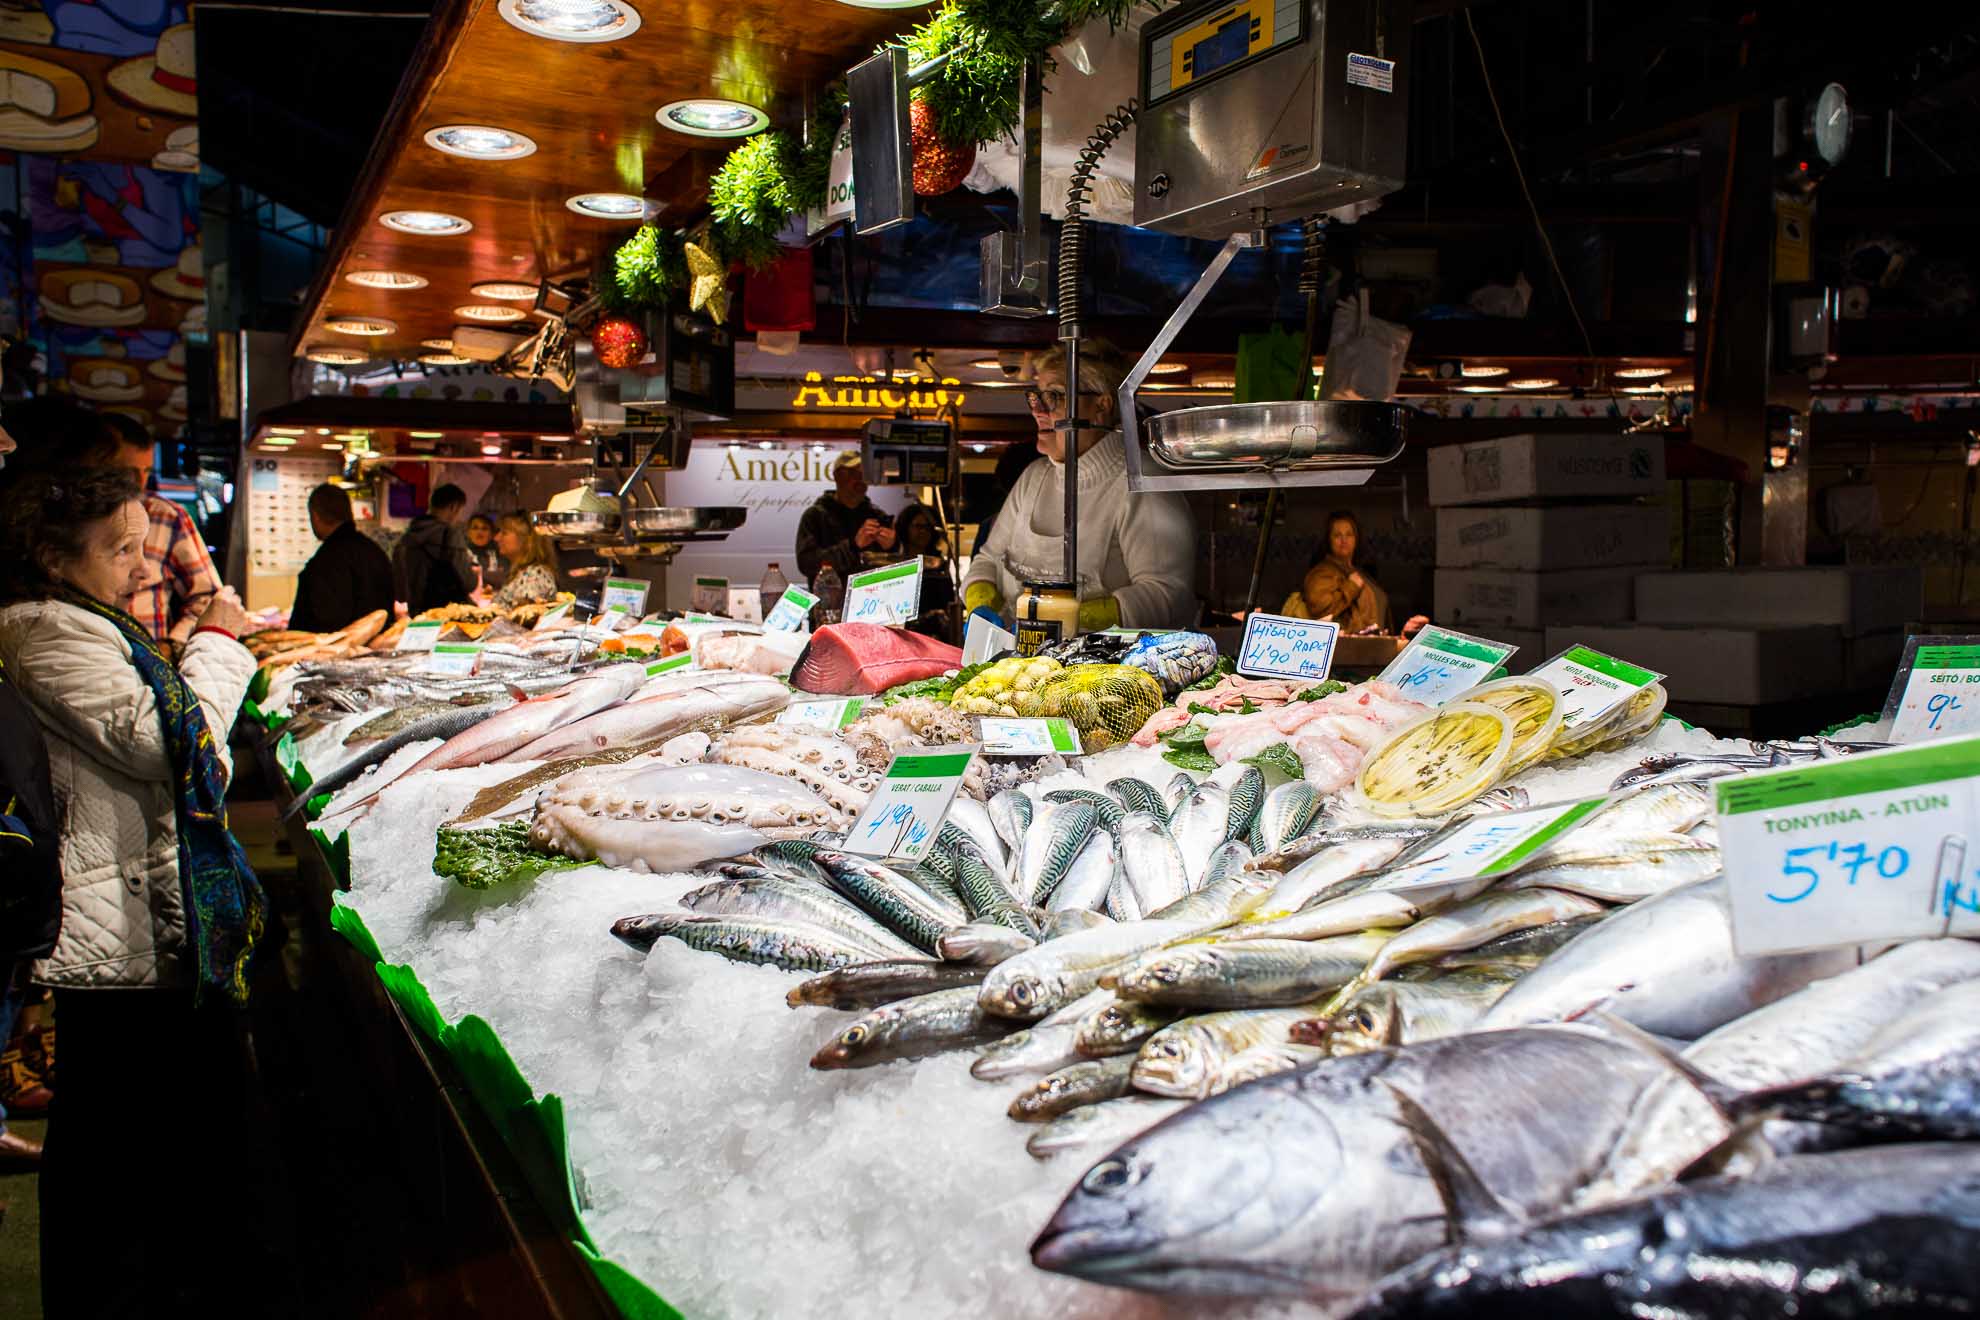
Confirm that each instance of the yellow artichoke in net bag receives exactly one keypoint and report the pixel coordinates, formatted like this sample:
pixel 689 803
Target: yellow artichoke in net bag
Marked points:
pixel 1008 687
pixel 1106 703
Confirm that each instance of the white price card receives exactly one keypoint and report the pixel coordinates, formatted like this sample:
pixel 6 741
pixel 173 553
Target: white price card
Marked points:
pixel 625 596
pixel 1874 846
pixel 1277 646
pixel 983 639
pixel 746 604
pixel 1937 692
pixel 553 618
pixel 1492 845
pixel 790 611
pixel 1592 684
pixel 452 658
pixel 828 713
pixel 1027 737
pixel 420 636
pixel 710 593
pixel 910 803
pixel 672 664
pixel 885 595
pixel 1438 664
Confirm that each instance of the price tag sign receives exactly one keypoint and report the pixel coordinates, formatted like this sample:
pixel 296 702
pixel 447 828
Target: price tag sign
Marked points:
pixel 1875 846
pixel 1491 845
pixel 1438 664
pixel 983 639
pixel 1276 646
pixel 1027 737
pixel 625 596
pixel 671 665
pixel 420 636
pixel 908 807
pixel 1592 684
pixel 452 658
pixel 790 611
pixel 710 593
pixel 831 713
pixel 553 618
pixel 885 595
pixel 746 604
pixel 1937 692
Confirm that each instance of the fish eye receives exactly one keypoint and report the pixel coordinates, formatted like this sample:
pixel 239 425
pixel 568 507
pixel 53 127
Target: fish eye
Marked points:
pixel 1106 1177
pixel 1021 992
pixel 1362 1019
pixel 853 1035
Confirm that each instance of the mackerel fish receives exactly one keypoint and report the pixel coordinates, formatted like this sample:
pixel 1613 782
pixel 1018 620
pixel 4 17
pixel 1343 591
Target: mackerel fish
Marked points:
pixel 1040 980
pixel 1254 974
pixel 1070 1087
pixel 1207 1055
pixel 911 1029
pixel 866 985
pixel 1105 1122
pixel 778 941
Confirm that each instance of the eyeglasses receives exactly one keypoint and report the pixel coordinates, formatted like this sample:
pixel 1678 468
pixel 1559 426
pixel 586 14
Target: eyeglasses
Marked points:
pixel 1052 398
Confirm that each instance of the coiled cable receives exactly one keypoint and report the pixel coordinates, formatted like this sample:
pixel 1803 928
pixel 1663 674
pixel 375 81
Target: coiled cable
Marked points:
pixel 1078 193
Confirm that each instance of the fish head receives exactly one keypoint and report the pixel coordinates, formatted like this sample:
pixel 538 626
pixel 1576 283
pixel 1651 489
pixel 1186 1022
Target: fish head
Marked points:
pixel 644 932
pixel 1205 1201
pixel 1176 1061
pixel 1025 995
pixel 1372 1020
pixel 1166 969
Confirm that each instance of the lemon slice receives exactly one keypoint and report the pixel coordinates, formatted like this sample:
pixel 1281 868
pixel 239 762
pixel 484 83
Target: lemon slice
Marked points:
pixel 1534 707
pixel 1439 762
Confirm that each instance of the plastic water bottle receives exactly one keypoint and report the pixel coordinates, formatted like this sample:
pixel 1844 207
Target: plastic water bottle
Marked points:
pixel 831 593
pixel 772 589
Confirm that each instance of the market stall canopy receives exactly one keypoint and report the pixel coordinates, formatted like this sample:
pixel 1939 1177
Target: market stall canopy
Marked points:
pixel 515 112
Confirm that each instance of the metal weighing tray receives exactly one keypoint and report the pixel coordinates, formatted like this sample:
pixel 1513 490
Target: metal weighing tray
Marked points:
pixel 682 524
pixel 578 522
pixel 1279 436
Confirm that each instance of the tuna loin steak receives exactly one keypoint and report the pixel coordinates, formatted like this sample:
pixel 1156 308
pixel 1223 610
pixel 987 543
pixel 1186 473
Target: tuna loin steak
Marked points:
pixel 869 657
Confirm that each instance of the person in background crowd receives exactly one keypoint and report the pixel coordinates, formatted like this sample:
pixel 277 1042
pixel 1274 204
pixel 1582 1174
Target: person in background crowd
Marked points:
pixel 530 572
pixel 1336 590
pixel 1011 463
pixel 431 566
pixel 844 528
pixel 917 533
pixel 1137 553
pixel 348 577
pixel 481 548
pixel 183 578
pixel 159 915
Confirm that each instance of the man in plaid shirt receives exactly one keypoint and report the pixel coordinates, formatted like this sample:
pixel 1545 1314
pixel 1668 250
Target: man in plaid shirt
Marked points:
pixel 185 576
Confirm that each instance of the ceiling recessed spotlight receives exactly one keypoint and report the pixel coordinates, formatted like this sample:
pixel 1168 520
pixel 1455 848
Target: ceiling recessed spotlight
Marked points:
pixel 1533 383
pixel 479 142
pixel 608 206
pixel 369 326
pixel 444 359
pixel 709 116
pixel 885 4
pixel 438 345
pixel 987 364
pixel 1165 385
pixel 385 279
pixel 1478 372
pixel 494 313
pixel 1168 368
pixel 288 430
pixel 1001 385
pixel 1479 389
pixel 554 439
pixel 1643 389
pixel 425 222
pixel 352 437
pixel 492 450
pixel 500 291
pixel 426 435
pixel 1216 382
pixel 333 444
pixel 278 442
pixel 332 356
pixel 1641 373
pixel 572 20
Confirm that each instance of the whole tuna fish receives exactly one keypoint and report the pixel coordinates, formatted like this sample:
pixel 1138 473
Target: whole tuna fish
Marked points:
pixel 1883 1231
pixel 1311 1183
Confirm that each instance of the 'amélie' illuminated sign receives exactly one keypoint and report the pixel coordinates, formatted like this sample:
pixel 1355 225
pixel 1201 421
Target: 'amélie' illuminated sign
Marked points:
pixel 870 394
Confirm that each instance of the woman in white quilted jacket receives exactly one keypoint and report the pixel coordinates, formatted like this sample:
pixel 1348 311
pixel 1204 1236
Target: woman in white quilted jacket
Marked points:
pixel 147 1157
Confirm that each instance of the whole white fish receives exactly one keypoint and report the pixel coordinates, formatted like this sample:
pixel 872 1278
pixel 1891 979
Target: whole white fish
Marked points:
pixel 974 819
pixel 1043 979
pixel 1153 873
pixel 1198 827
pixel 1807 1032
pixel 733 698
pixel 1473 923
pixel 1667 965
pixel 1322 871
pixel 1090 877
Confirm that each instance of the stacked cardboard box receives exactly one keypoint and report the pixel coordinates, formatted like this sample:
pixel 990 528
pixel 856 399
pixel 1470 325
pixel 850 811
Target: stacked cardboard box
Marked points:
pixel 1537 530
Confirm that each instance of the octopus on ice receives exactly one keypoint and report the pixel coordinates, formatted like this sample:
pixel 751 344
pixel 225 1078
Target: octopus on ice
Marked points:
pixel 663 818
pixel 837 771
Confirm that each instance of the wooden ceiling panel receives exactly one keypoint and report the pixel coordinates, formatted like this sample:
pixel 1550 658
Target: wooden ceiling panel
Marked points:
pixel 590 109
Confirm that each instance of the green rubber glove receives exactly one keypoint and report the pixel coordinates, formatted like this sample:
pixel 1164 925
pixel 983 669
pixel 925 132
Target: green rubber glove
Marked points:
pixel 1099 614
pixel 977 595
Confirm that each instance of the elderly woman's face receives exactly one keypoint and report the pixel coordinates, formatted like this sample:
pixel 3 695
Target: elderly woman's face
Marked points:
pixel 508 541
pixel 111 566
pixel 1047 397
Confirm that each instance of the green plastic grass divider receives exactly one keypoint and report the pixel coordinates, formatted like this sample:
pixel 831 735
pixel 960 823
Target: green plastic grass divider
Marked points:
pixel 634 1299
pixel 337 856
pixel 344 919
pixel 285 756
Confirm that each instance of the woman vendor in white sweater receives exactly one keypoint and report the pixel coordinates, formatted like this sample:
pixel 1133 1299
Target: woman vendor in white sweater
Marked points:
pixel 1137 553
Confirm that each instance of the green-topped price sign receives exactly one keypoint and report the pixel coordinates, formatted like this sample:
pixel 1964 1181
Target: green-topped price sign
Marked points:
pixel 1592 684
pixel 673 664
pixel 1937 692
pixel 457 658
pixel 624 596
pixel 907 809
pixel 1490 846
pixel 710 593
pixel 1876 846
pixel 1002 736
pixel 1438 664
pixel 885 595
pixel 829 713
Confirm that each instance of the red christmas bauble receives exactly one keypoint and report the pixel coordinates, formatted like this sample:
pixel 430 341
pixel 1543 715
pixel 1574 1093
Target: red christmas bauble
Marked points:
pixel 939 166
pixel 618 342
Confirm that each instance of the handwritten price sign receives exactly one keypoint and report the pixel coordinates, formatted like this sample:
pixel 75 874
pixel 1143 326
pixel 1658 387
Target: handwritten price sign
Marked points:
pixel 885 595
pixel 1938 692
pixel 1875 846
pixel 908 807
pixel 1276 646
pixel 1438 664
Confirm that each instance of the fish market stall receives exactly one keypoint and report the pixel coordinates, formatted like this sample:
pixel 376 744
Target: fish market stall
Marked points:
pixel 632 859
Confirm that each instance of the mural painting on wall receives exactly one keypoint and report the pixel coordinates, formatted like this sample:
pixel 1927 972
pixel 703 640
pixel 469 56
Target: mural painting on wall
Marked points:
pixel 98 109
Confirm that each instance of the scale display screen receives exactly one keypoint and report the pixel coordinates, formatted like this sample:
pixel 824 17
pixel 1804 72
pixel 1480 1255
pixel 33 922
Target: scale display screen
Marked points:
pixel 1216 38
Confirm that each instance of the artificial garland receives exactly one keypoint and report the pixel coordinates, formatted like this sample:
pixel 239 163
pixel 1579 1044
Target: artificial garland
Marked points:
pixel 768 178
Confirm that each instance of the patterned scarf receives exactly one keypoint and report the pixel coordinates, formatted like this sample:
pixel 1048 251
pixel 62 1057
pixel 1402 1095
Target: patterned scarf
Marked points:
pixel 225 907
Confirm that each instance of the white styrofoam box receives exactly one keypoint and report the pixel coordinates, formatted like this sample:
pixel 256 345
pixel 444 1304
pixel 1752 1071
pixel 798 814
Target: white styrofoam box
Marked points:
pixel 1532 644
pixel 1467 596
pixel 1529 467
pixel 1537 537
pixel 1857 600
pixel 1870 661
pixel 1726 666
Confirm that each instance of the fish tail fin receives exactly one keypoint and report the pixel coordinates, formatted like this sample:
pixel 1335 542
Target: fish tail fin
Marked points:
pixel 1471 1209
pixel 1722 1097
